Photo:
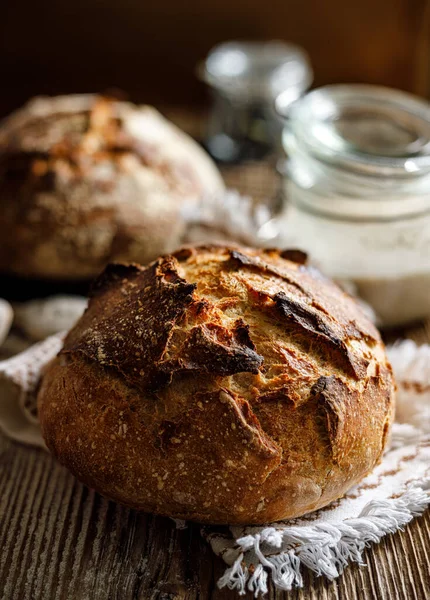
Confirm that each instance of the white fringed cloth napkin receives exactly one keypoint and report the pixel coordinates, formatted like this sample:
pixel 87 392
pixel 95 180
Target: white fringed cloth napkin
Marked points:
pixel 324 541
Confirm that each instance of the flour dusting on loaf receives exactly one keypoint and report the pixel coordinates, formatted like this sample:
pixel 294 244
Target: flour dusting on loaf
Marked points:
pixel 219 384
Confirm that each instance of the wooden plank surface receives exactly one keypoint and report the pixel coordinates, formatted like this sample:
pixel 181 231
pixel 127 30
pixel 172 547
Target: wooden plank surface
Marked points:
pixel 61 541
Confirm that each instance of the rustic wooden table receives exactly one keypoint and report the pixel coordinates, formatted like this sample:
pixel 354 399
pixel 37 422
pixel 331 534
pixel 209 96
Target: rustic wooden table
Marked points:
pixel 59 540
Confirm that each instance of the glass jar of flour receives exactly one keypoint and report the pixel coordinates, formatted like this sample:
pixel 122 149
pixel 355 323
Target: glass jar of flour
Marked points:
pixel 358 193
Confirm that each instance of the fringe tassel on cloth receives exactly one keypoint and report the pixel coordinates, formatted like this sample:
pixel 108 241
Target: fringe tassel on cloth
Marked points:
pixel 325 549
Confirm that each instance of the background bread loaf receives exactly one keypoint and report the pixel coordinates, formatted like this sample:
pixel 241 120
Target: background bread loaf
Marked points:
pixel 219 384
pixel 85 180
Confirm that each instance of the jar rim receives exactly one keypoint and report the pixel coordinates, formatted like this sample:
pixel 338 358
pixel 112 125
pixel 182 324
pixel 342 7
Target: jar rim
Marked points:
pixel 256 69
pixel 367 129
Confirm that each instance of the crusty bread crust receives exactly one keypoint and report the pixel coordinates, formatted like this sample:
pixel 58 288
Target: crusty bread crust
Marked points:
pixel 219 384
pixel 85 180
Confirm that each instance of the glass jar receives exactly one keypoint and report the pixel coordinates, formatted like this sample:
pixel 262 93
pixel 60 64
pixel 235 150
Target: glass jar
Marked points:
pixel 245 78
pixel 358 193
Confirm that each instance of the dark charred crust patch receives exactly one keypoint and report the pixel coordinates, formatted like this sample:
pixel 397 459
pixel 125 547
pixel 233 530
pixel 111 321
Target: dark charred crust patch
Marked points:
pixel 212 348
pixel 294 255
pixel 313 323
pixel 167 270
pixel 239 259
pixel 137 317
pixel 200 307
pixel 243 259
pixel 113 274
pixel 183 254
pixel 304 316
pixel 241 333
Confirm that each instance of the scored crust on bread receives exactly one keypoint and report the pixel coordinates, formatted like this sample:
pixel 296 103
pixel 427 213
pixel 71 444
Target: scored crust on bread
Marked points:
pixel 85 180
pixel 219 384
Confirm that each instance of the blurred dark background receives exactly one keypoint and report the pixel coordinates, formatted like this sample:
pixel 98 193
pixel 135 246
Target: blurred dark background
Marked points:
pixel 150 49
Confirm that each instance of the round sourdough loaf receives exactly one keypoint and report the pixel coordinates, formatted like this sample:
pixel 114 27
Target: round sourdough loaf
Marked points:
pixel 219 384
pixel 85 180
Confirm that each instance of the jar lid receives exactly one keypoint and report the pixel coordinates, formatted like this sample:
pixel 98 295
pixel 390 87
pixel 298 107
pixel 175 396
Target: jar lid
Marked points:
pixel 257 70
pixel 363 128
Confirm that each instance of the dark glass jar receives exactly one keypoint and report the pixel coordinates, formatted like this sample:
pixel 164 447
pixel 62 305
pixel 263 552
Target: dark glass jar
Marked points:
pixel 245 78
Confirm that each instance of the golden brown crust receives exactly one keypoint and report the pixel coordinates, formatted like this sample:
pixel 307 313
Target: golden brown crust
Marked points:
pixel 85 180
pixel 221 385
